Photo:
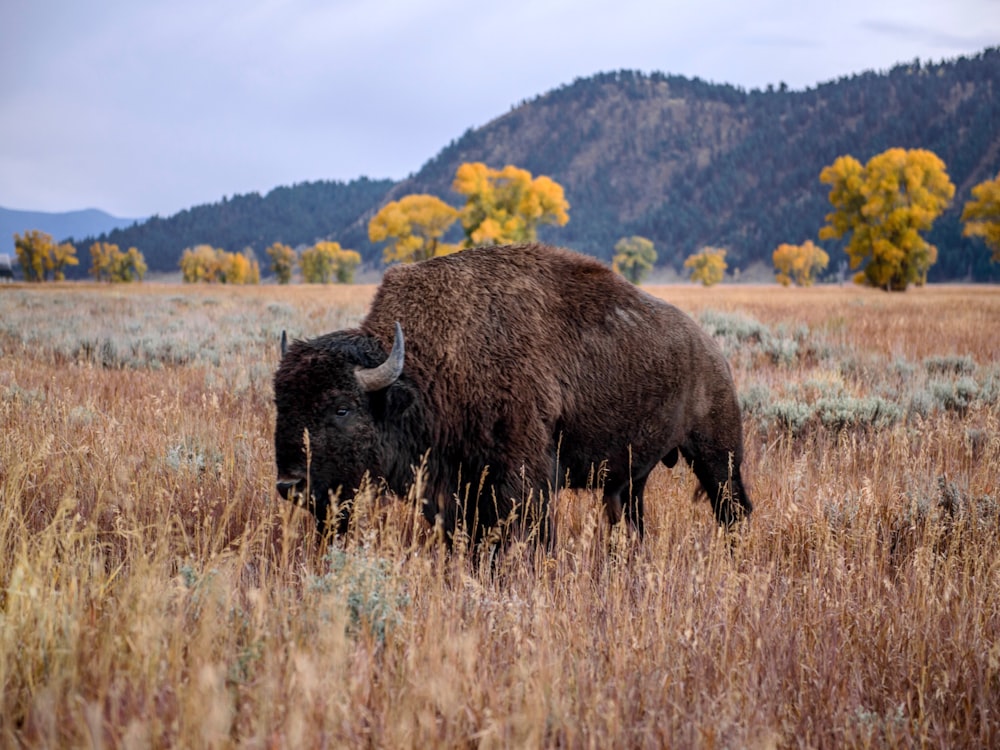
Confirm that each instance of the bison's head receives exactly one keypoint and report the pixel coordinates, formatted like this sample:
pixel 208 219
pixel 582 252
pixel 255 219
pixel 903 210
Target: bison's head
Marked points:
pixel 330 394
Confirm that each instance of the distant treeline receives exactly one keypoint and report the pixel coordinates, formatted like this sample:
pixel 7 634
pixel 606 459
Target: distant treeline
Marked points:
pixel 296 215
pixel 681 161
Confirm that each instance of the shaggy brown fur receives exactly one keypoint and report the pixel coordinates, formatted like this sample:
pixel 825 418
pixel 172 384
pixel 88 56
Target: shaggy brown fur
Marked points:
pixel 526 368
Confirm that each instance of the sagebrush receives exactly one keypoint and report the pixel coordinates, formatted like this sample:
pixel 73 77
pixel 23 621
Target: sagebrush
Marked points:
pixel 155 592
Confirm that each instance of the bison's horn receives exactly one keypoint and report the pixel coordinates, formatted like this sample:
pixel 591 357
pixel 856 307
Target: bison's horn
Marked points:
pixel 377 378
pixel 284 343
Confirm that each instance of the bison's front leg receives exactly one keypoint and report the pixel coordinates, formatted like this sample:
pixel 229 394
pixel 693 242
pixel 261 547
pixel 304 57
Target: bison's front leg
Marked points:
pixel 631 509
pixel 531 510
pixel 719 475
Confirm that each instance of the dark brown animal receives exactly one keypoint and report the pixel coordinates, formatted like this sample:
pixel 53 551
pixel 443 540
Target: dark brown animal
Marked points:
pixel 515 371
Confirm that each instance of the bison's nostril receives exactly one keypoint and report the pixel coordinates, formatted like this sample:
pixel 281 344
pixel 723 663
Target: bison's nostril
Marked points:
pixel 287 487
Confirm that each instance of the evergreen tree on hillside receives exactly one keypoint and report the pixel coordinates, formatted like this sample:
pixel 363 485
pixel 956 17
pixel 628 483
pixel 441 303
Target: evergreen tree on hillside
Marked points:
pixel 296 215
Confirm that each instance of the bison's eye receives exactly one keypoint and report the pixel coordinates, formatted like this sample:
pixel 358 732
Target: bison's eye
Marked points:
pixel 342 411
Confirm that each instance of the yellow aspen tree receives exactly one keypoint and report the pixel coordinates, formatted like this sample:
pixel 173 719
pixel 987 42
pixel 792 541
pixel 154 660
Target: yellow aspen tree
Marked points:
pixel 102 260
pixel 708 266
pixel 799 263
pixel 507 205
pixel 214 265
pixel 60 256
pixel 413 227
pixel 202 263
pixel 238 269
pixel 33 249
pixel 884 206
pixel 981 215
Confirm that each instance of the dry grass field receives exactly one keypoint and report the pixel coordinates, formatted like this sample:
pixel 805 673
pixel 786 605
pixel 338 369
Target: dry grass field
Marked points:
pixel 155 591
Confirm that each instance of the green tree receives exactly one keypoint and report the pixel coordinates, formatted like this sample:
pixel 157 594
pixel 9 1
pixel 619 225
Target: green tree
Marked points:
pixel 282 261
pixel 634 258
pixel 507 205
pixel 33 249
pixel 413 227
pixel 316 263
pixel 326 261
pixel 799 263
pixel 981 215
pixel 708 266
pixel 884 206
pixel 346 264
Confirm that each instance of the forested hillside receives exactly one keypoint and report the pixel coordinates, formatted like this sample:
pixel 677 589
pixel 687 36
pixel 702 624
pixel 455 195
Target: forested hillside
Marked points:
pixel 683 162
pixel 295 215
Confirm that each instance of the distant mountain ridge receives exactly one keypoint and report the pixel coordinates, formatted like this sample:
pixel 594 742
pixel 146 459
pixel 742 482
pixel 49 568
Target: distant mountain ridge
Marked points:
pixel 61 225
pixel 681 161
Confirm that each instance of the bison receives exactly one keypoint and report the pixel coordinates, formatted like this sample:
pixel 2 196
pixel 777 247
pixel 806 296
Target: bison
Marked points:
pixel 508 372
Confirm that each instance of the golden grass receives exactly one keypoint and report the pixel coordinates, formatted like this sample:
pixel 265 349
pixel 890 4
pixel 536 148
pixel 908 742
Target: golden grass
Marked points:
pixel 154 592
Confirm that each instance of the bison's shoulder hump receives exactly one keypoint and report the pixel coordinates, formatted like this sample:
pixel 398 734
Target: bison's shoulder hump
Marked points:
pixel 471 283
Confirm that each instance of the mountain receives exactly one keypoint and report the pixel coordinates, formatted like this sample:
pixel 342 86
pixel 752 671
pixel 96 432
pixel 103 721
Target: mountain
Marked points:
pixel 60 225
pixel 681 161
pixel 688 163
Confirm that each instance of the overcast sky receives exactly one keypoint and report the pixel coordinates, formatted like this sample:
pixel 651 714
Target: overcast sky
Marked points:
pixel 140 107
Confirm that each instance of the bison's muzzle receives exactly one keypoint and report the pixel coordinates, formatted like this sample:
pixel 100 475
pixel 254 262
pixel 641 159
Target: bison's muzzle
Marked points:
pixel 290 488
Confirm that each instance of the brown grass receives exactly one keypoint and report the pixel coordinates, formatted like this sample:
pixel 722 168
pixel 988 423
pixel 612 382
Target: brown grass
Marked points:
pixel 154 592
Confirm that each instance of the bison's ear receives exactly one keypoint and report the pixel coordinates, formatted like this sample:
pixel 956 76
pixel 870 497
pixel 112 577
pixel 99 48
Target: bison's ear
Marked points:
pixel 284 344
pixel 392 403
